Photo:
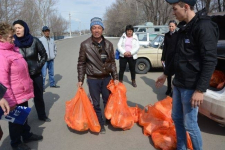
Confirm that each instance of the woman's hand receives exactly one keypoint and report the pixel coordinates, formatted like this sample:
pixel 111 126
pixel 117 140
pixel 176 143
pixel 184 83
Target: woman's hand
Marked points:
pixel 5 106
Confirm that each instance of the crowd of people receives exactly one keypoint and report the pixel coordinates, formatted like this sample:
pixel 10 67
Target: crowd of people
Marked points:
pixel 189 54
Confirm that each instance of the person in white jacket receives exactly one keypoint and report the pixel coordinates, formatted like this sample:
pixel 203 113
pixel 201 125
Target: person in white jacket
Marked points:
pixel 51 51
pixel 128 47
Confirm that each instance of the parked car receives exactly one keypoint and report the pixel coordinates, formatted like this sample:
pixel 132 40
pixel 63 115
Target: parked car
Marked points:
pixel 145 38
pixel 214 99
pixel 150 56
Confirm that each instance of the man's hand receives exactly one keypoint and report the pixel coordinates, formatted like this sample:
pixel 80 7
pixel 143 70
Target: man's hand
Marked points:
pixel 79 84
pixel 116 82
pixel 160 81
pixel 5 106
pixel 197 99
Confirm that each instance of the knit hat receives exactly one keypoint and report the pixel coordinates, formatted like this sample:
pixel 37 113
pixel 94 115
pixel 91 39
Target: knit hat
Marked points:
pixel 189 2
pixel 96 21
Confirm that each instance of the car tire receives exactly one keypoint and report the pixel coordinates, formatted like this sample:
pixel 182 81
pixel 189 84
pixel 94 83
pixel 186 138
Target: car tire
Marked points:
pixel 142 66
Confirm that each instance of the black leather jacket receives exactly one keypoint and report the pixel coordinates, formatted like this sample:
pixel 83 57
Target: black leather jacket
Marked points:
pixel 195 54
pixel 35 55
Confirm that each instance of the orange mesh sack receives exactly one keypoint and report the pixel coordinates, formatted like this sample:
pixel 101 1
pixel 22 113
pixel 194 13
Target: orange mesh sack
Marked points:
pixel 121 117
pixel 165 106
pixel 165 138
pixel 80 114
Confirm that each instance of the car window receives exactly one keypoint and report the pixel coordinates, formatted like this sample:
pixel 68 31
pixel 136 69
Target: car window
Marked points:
pixel 157 41
pixel 142 30
pixel 142 37
pixel 152 36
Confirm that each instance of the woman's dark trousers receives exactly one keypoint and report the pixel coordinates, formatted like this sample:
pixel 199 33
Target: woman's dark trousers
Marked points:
pixel 38 95
pixel 17 130
pixel 123 63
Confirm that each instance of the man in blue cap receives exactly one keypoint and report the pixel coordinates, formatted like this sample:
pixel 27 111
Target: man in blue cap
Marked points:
pixel 51 51
pixel 193 64
pixel 96 60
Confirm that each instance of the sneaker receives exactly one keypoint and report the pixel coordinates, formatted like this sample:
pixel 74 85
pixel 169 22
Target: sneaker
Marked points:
pixel 55 86
pixel 102 131
pixel 21 146
pixel 34 137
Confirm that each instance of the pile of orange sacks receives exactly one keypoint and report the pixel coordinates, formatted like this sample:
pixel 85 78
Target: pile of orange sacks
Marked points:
pixel 158 124
pixel 156 121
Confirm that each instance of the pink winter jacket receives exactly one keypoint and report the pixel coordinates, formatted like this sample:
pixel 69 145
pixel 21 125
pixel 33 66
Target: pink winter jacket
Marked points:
pixel 14 75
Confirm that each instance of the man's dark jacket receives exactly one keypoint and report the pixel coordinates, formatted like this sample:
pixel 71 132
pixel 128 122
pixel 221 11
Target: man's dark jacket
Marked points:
pixel 90 63
pixel 35 55
pixel 195 54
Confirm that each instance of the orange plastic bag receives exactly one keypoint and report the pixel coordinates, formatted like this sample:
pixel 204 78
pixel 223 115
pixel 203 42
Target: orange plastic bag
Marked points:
pixel 155 124
pixel 165 138
pixel 121 115
pixel 165 106
pixel 217 80
pixel 112 99
pixel 146 117
pixel 80 114
pixel 135 111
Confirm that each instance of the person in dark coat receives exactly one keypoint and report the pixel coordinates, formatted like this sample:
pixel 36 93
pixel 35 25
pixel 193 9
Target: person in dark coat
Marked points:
pixel 35 55
pixel 168 50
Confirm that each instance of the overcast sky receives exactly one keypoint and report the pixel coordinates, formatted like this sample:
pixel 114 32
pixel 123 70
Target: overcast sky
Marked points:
pixel 82 11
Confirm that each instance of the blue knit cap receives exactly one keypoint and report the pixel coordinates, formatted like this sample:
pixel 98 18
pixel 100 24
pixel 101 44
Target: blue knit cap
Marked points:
pixel 96 21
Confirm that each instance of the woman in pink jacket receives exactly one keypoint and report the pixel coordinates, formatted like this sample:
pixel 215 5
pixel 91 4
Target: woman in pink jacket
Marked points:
pixel 15 77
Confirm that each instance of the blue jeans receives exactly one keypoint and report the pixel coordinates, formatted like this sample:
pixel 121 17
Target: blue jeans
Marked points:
pixel 185 119
pixel 50 66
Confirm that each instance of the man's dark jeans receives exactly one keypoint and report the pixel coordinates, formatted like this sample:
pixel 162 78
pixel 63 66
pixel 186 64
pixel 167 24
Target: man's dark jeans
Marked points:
pixel 97 87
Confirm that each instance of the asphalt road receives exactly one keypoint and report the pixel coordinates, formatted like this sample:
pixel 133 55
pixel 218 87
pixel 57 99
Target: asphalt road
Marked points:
pixel 58 137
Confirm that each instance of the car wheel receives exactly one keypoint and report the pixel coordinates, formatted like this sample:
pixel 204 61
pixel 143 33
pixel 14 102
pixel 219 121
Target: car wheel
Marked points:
pixel 142 66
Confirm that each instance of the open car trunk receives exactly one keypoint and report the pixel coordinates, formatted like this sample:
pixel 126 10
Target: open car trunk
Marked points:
pixel 220 20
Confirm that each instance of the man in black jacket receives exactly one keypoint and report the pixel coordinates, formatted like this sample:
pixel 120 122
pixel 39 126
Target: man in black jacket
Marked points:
pixel 193 64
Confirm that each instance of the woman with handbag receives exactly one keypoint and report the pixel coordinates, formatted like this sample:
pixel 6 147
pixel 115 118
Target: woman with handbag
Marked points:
pixel 128 47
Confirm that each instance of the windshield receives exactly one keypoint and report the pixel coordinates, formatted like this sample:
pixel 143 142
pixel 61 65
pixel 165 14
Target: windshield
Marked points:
pixel 135 29
pixel 157 41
